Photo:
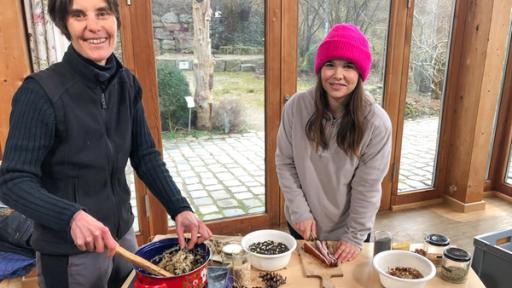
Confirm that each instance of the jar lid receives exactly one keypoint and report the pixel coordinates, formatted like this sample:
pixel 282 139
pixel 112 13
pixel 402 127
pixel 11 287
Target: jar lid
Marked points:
pixel 437 240
pixel 457 254
pixel 232 248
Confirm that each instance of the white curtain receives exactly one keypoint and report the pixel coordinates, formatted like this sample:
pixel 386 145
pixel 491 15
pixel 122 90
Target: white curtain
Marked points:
pixel 47 44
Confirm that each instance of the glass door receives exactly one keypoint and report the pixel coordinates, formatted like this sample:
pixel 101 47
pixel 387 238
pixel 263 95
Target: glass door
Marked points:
pixel 207 74
pixel 429 53
pixel 211 86
pixel 500 168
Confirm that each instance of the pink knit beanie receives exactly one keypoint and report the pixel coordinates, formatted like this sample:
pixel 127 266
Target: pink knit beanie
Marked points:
pixel 345 42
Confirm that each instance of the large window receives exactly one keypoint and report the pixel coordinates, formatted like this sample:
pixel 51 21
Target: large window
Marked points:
pixel 430 44
pixel 210 96
pixel 215 149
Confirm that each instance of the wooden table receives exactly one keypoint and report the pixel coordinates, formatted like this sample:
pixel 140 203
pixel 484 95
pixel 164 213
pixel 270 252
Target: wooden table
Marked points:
pixel 357 274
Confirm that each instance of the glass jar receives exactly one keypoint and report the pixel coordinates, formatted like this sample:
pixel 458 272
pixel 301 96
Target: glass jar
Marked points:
pixel 381 241
pixel 434 247
pixel 455 265
pixel 228 250
pixel 401 241
pixel 238 261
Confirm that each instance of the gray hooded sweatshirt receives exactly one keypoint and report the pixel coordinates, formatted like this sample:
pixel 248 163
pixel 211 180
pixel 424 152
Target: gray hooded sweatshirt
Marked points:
pixel 340 192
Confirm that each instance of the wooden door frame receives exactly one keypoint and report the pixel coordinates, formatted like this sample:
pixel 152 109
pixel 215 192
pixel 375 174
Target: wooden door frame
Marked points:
pixel 395 93
pixel 134 23
pixel 137 24
pixel 456 37
pixel 503 135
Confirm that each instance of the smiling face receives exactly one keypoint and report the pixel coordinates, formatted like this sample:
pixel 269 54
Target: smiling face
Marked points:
pixel 339 78
pixel 93 27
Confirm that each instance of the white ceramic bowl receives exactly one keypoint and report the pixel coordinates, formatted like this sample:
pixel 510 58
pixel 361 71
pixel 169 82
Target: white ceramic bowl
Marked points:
pixel 393 258
pixel 269 262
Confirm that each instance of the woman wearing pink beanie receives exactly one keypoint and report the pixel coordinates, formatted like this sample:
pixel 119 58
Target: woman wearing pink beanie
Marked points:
pixel 334 147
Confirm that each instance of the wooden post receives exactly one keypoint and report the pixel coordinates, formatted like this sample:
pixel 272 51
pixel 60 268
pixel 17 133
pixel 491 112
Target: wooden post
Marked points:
pixel 14 59
pixel 471 104
pixel 203 62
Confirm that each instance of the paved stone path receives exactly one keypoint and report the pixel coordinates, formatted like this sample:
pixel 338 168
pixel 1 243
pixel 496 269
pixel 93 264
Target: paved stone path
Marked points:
pixel 223 176
pixel 417 160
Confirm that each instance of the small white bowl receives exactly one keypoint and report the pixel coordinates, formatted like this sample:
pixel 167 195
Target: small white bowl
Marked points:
pixel 393 258
pixel 269 262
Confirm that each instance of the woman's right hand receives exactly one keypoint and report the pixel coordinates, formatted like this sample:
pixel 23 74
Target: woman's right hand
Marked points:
pixel 307 229
pixel 91 235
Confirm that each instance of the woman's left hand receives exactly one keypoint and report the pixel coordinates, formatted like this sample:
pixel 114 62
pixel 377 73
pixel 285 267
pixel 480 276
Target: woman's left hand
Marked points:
pixel 346 251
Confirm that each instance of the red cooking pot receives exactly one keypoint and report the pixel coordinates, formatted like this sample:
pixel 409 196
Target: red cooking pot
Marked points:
pixel 193 279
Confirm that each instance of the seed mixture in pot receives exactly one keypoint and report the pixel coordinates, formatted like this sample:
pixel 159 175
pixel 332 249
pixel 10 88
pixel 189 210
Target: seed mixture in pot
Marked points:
pixel 405 272
pixel 180 261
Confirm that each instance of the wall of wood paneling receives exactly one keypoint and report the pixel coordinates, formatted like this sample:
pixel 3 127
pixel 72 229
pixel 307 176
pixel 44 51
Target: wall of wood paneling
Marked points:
pixel 473 95
pixel 14 59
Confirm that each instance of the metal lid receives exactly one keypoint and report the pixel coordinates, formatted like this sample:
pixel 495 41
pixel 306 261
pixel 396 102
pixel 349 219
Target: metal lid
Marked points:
pixel 457 254
pixel 437 240
pixel 232 249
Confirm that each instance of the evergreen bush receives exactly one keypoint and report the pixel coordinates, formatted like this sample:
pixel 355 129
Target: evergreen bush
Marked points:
pixel 172 89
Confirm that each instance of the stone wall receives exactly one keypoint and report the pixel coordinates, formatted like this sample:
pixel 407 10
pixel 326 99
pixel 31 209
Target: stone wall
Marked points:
pixel 172 33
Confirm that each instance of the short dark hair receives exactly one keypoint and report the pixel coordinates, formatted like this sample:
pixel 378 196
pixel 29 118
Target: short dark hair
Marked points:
pixel 59 10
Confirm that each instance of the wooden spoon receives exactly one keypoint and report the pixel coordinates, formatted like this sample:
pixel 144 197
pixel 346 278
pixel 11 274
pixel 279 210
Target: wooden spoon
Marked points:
pixel 142 263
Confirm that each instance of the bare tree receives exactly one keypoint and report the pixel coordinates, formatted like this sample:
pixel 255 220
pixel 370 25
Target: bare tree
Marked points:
pixel 311 12
pixel 429 50
pixel 203 62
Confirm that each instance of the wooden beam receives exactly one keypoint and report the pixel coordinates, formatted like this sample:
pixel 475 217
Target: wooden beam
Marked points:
pixel 14 59
pixel 139 57
pixel 474 98
pixel 273 101
pixel 395 87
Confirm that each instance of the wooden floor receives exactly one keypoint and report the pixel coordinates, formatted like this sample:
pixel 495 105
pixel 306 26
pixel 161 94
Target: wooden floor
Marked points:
pixel 461 228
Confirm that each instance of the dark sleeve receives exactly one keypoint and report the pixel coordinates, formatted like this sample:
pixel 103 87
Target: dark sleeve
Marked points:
pixel 147 162
pixel 31 135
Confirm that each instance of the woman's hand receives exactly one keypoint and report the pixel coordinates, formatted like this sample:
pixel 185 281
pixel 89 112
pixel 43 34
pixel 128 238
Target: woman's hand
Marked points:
pixel 187 221
pixel 307 229
pixel 346 251
pixel 91 235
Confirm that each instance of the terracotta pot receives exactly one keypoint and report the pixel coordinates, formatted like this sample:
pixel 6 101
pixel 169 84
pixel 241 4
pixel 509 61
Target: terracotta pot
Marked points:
pixel 195 278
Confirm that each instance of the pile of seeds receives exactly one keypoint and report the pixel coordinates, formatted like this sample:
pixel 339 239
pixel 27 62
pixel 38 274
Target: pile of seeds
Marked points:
pixel 405 272
pixel 180 261
pixel 268 247
pixel 272 279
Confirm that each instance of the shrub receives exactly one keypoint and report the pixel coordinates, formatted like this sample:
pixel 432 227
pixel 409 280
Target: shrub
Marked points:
pixel 172 89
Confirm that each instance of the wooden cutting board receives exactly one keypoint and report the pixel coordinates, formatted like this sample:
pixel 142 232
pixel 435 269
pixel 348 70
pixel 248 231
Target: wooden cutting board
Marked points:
pixel 313 268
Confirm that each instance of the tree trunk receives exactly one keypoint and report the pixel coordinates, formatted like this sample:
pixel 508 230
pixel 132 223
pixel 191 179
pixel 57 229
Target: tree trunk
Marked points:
pixel 203 63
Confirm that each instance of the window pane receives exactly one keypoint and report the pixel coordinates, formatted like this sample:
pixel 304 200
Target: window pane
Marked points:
pixel 317 17
pixel 508 175
pixel 427 68
pixel 221 171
